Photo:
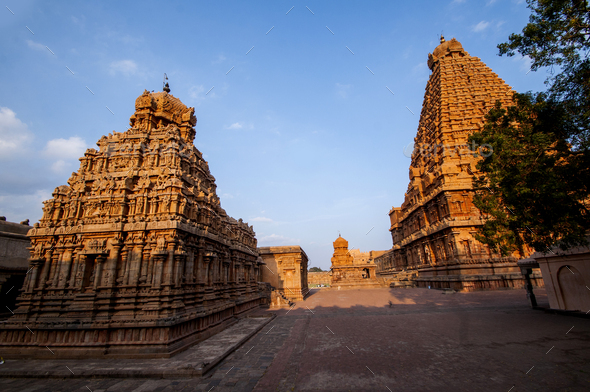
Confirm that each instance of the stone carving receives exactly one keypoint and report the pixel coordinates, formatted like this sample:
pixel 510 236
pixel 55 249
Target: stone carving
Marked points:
pixel 128 232
pixel 349 271
pixel 433 230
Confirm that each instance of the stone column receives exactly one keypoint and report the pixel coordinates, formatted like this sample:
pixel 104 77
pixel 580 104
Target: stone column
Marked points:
pixel 111 267
pixel 158 269
pixel 169 273
pixel 75 267
pixel 178 268
pixel 146 262
pixel 98 270
pixel 55 268
pixel 66 265
pixel 135 265
pixel 46 267
pixel 31 281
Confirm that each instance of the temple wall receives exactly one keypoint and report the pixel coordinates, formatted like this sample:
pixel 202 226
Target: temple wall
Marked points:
pixel 13 263
pixel 317 278
pixel 286 270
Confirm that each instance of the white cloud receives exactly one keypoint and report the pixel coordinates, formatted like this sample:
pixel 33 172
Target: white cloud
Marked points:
pixel 65 151
pixel 125 67
pixel 343 89
pixel 19 207
pixel 220 59
pixel 458 1
pixel 36 46
pixel 235 125
pixel 198 94
pixel 275 239
pixel 261 219
pixel 481 26
pixel 14 134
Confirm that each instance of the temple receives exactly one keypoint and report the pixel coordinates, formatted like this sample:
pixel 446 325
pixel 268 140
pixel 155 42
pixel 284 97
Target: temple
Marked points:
pixel 135 256
pixel 352 269
pixel 433 231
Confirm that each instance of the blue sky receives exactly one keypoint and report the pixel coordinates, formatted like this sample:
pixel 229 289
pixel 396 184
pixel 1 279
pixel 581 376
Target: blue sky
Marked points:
pixel 303 134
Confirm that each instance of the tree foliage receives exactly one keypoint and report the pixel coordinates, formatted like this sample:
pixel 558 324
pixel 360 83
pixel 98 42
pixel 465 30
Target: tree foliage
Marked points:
pixel 534 187
pixel 315 269
pixel 558 36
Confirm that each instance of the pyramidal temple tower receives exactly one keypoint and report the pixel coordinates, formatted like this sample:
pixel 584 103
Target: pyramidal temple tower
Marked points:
pixel 135 257
pixel 433 231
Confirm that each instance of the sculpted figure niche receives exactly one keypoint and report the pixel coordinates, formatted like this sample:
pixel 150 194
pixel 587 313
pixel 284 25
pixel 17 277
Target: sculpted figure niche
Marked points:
pixel 135 257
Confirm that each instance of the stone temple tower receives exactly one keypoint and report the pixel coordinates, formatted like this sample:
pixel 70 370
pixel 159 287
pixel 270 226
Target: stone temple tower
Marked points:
pixel 135 257
pixel 433 231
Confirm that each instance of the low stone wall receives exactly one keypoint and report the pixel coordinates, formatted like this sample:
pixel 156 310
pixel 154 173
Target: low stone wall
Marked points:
pixel 317 278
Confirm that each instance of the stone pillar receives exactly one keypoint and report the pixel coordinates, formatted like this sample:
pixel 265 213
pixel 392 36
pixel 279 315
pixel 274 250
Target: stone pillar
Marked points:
pixel 31 279
pixel 135 264
pixel 179 259
pixel 55 268
pixel 146 262
pixel 46 268
pixel 66 265
pixel 110 278
pixel 169 273
pixel 158 269
pixel 98 270
pixel 75 267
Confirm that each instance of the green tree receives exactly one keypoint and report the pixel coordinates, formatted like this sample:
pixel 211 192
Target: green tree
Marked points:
pixel 315 269
pixel 533 188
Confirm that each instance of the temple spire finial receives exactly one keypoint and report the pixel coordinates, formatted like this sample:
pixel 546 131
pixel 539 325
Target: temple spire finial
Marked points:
pixel 166 87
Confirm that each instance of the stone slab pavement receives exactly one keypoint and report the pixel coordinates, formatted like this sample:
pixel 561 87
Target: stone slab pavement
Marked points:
pixel 388 340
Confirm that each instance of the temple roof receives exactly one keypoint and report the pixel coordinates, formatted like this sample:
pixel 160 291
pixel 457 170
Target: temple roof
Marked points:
pixel 340 243
pixel 157 109
pixel 446 48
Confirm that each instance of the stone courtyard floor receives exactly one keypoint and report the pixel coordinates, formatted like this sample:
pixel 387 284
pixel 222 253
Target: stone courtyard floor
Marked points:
pixel 388 340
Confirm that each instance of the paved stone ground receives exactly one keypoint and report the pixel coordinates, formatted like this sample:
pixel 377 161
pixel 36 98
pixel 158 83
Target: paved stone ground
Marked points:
pixel 356 341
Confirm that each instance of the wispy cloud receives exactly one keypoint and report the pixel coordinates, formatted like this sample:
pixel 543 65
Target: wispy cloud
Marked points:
pixel 261 219
pixel 343 90
pixel 65 152
pixel 276 239
pixel 37 46
pixel 235 125
pixel 124 67
pixel 220 59
pixel 481 26
pixel 198 93
pixel 14 134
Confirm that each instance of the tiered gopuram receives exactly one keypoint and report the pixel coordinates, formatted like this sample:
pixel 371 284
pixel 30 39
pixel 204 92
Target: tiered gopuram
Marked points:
pixel 433 231
pixel 135 257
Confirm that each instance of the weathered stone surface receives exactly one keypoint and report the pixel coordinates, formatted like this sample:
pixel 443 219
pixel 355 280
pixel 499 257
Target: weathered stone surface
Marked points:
pixel 286 271
pixel 317 278
pixel 350 272
pixel 135 257
pixel 433 231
